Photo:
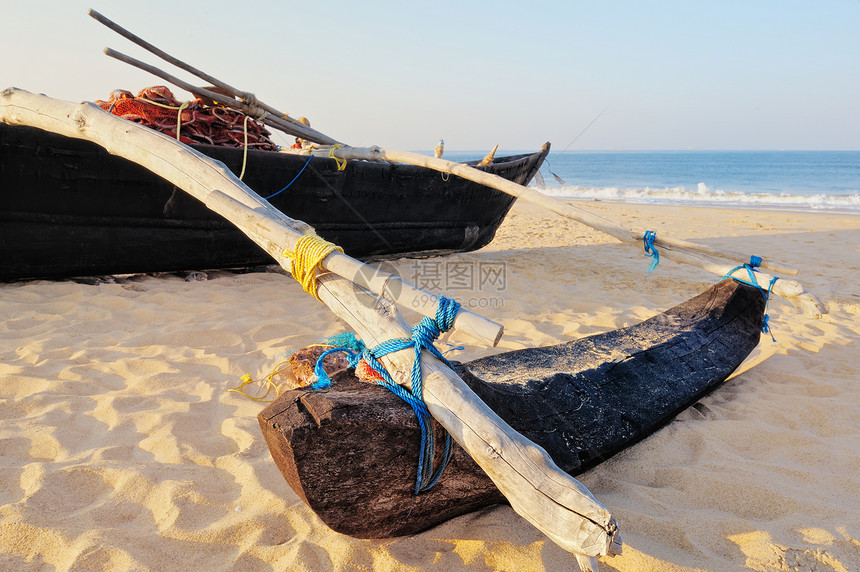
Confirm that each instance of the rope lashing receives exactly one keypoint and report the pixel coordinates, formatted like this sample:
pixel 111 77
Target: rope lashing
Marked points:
pixel 651 250
pixel 341 163
pixel 754 262
pixel 254 110
pixel 310 252
pixel 258 115
pixel 302 170
pixel 423 336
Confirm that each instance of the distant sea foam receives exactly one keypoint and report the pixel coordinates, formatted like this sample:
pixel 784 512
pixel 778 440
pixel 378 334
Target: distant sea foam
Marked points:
pixel 704 195
pixel 804 180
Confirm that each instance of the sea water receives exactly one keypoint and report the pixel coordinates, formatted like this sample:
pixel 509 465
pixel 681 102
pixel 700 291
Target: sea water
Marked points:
pixel 808 180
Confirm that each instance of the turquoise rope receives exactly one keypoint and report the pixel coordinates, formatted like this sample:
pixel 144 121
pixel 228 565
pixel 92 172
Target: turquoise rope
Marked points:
pixel 423 336
pixel 754 262
pixel 650 249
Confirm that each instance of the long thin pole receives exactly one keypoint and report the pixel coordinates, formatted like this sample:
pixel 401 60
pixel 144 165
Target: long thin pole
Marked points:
pixel 529 195
pixel 247 102
pixel 680 250
pixel 295 129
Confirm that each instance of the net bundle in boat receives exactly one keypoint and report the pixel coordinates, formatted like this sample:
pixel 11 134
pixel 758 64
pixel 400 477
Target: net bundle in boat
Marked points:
pixel 156 107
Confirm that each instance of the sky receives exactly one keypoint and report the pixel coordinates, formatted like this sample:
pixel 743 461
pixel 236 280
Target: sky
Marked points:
pixel 581 74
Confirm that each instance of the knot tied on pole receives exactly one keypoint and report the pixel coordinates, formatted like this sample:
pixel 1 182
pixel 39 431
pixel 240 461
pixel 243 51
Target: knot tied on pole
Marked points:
pixel 307 260
pixel 423 335
pixel 750 267
pixel 651 250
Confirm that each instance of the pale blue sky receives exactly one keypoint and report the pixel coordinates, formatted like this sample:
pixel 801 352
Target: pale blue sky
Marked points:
pixel 669 75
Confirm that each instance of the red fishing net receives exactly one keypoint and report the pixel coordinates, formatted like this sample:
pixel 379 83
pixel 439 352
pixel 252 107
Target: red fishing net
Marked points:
pixel 156 107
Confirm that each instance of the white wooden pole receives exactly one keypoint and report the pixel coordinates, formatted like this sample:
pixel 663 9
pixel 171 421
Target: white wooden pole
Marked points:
pixel 672 249
pixel 538 490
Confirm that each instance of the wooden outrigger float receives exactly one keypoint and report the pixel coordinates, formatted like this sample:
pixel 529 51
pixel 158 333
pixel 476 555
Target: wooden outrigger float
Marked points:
pixel 582 401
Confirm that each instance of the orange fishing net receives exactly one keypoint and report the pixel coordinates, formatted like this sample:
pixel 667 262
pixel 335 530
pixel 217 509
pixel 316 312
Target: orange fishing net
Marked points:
pixel 156 107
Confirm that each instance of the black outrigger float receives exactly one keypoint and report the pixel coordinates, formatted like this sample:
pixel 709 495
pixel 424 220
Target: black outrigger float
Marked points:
pixel 582 401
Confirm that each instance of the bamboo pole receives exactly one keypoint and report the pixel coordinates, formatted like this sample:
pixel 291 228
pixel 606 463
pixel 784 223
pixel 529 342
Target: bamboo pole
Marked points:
pixel 248 99
pixel 247 103
pixel 175 61
pixel 537 489
pixel 295 129
pixel 672 249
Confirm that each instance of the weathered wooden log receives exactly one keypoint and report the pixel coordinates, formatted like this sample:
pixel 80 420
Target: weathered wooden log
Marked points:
pixel 535 487
pixel 569 211
pixel 350 452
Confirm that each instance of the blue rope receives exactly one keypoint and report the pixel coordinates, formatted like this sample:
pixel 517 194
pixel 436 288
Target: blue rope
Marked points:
pixel 423 336
pixel 294 179
pixel 650 249
pixel 754 262
pixel 453 348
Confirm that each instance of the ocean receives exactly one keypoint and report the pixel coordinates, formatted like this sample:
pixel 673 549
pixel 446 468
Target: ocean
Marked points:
pixel 806 180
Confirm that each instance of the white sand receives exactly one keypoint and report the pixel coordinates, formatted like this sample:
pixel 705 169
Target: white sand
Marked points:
pixel 121 449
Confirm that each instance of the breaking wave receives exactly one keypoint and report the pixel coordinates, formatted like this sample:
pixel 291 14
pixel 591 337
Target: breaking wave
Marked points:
pixel 704 195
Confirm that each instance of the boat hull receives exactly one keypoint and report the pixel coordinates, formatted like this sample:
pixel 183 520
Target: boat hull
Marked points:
pixel 69 208
pixel 350 451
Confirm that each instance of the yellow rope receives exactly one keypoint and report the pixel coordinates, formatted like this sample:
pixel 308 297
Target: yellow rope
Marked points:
pixel 179 118
pixel 341 164
pixel 270 385
pixel 310 251
pixel 178 113
pixel 245 149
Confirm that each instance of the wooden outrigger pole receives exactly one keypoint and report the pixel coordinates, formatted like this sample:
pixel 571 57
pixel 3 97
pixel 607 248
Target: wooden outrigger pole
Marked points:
pixel 703 256
pixel 536 488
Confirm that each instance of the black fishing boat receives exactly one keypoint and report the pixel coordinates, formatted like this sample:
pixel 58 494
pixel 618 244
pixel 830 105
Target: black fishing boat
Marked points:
pixel 69 208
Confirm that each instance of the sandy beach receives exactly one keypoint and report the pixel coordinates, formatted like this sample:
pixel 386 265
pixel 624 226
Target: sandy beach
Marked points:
pixel 121 448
